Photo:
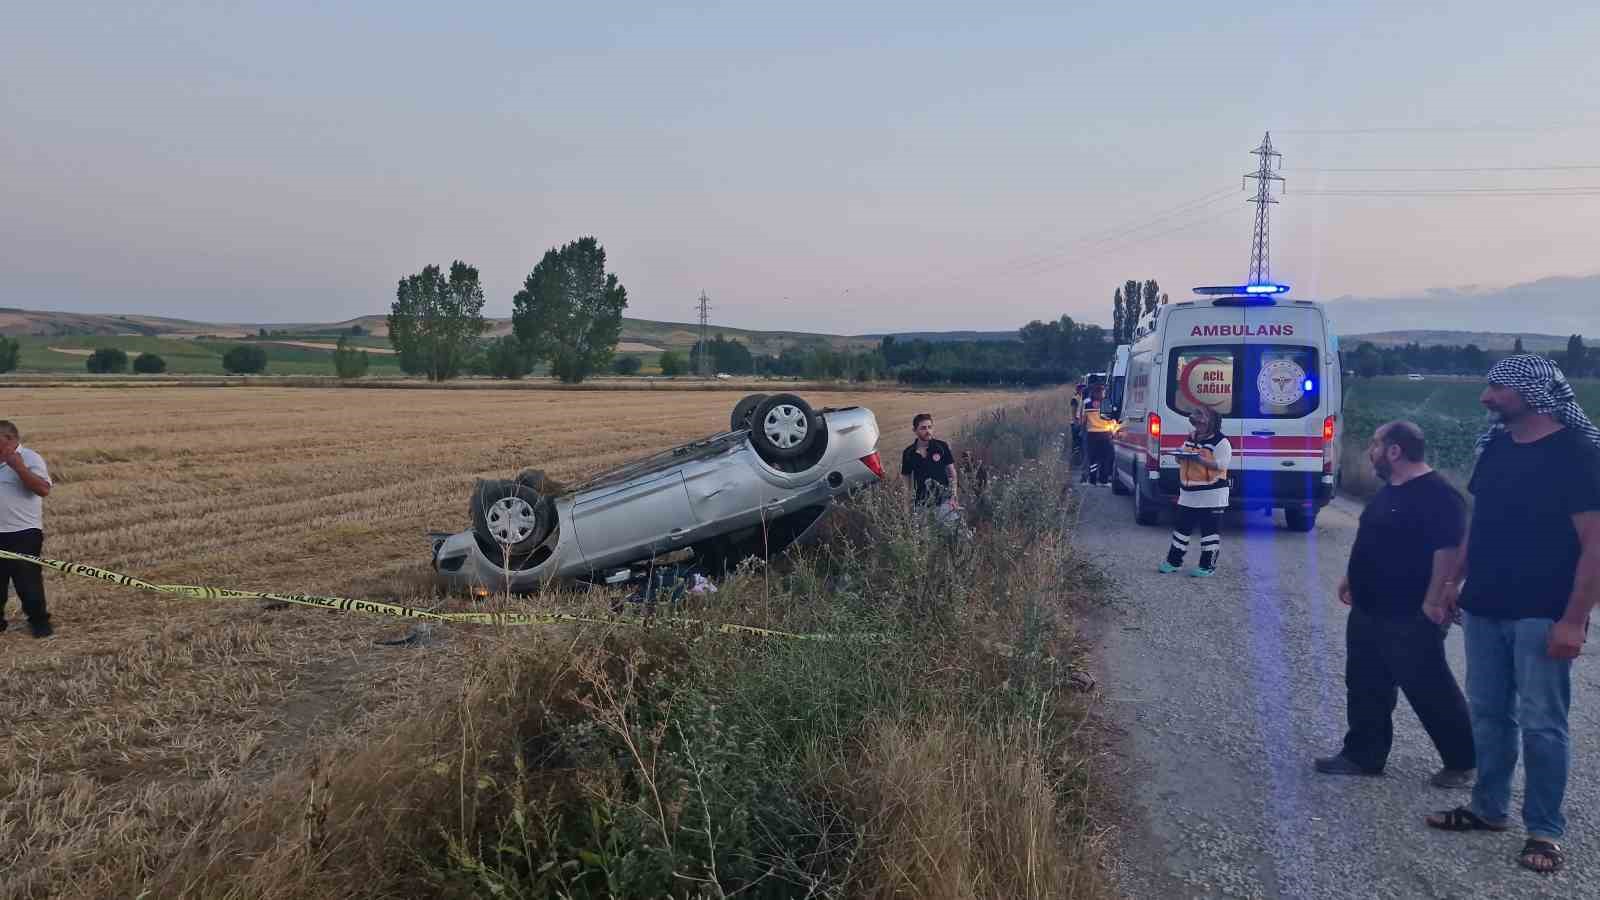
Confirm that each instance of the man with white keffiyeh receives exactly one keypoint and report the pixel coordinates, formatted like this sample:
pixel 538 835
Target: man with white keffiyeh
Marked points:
pixel 1531 570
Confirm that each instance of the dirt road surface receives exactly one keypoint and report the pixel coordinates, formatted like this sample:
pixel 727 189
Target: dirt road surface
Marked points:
pixel 1220 692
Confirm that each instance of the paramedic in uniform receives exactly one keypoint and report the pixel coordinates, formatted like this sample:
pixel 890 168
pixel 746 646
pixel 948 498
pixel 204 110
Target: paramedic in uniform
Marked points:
pixel 1203 492
pixel 1098 453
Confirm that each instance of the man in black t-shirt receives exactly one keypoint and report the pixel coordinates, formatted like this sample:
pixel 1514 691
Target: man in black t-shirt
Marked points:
pixel 1406 549
pixel 929 466
pixel 1532 570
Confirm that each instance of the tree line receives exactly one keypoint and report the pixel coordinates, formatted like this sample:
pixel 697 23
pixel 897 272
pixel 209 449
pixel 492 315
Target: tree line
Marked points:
pixel 1369 360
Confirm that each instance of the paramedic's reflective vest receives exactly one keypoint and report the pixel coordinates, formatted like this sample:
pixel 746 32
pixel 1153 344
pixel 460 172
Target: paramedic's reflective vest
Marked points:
pixel 1095 423
pixel 1204 473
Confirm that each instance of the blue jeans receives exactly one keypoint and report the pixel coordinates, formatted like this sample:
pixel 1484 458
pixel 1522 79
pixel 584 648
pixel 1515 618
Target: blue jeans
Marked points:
pixel 1512 682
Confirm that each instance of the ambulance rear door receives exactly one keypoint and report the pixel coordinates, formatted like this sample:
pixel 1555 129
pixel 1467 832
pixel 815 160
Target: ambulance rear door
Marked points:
pixel 1205 349
pixel 1281 399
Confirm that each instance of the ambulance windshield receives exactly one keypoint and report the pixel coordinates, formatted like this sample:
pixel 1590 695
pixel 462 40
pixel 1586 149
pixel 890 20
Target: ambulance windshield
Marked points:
pixel 1249 381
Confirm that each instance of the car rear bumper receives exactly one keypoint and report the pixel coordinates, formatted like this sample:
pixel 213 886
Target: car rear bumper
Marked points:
pixel 1255 489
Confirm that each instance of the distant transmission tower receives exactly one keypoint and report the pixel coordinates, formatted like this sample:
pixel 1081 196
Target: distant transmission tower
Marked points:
pixel 1264 176
pixel 704 305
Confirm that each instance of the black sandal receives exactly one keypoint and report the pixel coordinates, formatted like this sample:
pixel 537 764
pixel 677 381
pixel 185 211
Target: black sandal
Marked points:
pixel 1463 819
pixel 1541 849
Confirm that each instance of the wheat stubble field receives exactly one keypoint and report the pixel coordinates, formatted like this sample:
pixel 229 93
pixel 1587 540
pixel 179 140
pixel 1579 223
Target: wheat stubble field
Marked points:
pixel 147 714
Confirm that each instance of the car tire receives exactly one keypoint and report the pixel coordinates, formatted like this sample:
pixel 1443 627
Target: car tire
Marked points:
pixel 784 427
pixel 1300 519
pixel 511 515
pixel 743 410
pixel 1145 511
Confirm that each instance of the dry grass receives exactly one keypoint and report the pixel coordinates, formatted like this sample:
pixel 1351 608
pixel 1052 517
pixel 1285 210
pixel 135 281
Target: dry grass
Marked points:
pixel 154 733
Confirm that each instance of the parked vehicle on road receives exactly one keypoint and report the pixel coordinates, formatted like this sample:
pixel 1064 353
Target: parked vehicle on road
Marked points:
pixel 1269 366
pixel 752 490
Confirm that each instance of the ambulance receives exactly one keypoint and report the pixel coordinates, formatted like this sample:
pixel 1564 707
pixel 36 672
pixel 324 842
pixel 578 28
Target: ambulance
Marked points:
pixel 1268 365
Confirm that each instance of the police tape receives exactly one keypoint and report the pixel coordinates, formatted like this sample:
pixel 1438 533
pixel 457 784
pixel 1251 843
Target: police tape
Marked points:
pixel 346 604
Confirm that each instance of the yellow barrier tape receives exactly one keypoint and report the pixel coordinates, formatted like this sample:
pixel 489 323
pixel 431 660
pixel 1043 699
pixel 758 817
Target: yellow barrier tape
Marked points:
pixel 345 604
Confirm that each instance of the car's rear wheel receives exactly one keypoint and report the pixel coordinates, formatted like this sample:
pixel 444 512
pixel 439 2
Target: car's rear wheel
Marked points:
pixel 743 410
pixel 1300 518
pixel 1145 510
pixel 511 515
pixel 1117 487
pixel 784 427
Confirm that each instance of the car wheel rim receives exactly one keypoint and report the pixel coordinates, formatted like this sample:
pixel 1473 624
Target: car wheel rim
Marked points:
pixel 511 520
pixel 786 426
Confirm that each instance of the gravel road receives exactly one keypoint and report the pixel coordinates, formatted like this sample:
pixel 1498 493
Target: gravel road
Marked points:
pixel 1221 691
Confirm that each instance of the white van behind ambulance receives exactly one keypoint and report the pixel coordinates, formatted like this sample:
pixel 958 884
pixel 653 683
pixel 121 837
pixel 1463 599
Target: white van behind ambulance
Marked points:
pixel 1269 366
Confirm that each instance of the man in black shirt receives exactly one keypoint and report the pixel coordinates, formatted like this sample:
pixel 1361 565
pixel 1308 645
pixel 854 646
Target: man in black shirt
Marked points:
pixel 928 466
pixel 1405 551
pixel 1532 569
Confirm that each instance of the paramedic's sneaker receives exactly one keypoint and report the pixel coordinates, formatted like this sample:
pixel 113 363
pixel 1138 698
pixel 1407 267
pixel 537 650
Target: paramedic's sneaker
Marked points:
pixel 1202 573
pixel 1166 568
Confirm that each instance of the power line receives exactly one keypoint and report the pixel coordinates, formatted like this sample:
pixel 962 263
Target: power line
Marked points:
pixel 1467 169
pixel 1072 247
pixel 1128 244
pixel 1482 128
pixel 1565 191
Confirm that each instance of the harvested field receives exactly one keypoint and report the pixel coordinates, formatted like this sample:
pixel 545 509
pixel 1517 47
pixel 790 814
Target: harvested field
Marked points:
pixel 146 715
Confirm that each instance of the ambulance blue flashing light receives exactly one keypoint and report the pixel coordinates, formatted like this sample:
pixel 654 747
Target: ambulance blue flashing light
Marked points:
pixel 1309 386
pixel 1244 289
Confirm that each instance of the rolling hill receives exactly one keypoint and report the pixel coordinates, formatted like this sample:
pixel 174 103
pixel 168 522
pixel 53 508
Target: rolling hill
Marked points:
pixel 1487 340
pixel 648 335
pixel 1560 305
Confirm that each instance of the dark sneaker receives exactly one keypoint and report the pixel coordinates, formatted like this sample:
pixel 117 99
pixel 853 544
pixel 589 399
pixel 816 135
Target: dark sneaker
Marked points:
pixel 1451 779
pixel 1342 765
pixel 43 631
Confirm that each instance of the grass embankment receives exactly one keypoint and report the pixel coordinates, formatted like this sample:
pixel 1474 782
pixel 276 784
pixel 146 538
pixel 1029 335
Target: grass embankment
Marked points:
pixel 944 757
pixel 1447 409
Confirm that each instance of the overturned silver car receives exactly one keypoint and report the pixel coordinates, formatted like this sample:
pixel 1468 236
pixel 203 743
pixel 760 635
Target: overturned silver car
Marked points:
pixel 750 491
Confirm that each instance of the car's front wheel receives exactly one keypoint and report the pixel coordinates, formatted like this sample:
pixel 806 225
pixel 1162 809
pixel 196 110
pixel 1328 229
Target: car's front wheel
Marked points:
pixel 743 410
pixel 511 515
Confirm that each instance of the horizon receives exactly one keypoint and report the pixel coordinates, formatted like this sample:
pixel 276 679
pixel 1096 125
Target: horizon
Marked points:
pixel 722 328
pixel 973 170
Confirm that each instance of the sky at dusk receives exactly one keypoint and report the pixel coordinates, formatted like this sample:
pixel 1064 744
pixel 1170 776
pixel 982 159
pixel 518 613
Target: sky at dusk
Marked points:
pixel 838 167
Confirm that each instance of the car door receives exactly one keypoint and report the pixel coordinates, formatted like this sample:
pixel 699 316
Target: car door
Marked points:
pixel 638 518
pixel 724 490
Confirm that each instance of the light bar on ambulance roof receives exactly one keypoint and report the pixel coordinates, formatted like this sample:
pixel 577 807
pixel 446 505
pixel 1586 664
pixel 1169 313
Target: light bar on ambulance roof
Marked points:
pixel 1245 289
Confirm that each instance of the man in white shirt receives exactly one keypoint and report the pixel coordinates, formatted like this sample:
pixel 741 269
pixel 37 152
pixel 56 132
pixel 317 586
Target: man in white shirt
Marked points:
pixel 24 483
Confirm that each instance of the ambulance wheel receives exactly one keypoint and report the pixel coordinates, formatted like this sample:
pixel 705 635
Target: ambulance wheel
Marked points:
pixel 1117 487
pixel 1145 510
pixel 1300 518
